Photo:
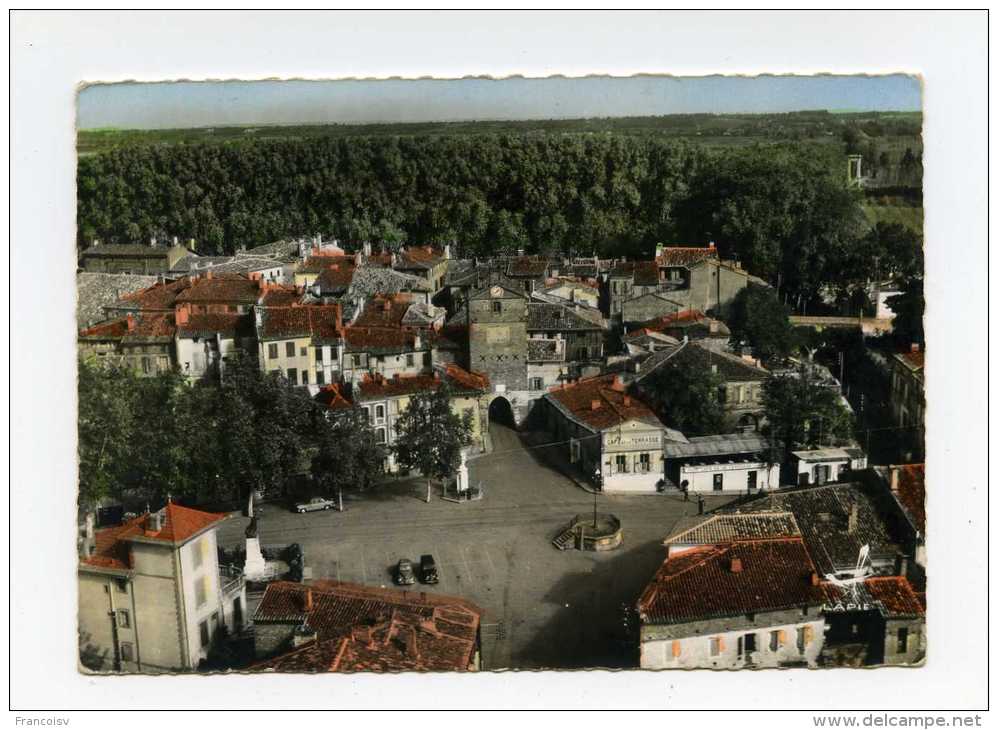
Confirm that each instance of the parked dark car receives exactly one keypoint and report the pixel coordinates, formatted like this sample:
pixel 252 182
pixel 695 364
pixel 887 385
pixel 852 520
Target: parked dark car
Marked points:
pixel 404 575
pixel 428 569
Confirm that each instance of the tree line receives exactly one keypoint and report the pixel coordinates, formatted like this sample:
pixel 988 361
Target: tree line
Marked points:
pixel 145 439
pixel 784 210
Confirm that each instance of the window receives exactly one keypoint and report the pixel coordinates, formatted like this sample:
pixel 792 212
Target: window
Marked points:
pixel 496 307
pixel 427 359
pixel 334 355
pixel 410 360
pixel 583 353
pixel 746 645
pixel 127 652
pixel 722 395
pixel 272 350
pixel 197 554
pixel 752 479
pixel 318 354
pixel 201 591
pixel 124 619
pixel 293 376
pixel 205 634
pixel 575 449
pixel 716 646
pixel 122 585
pixel 289 349
pixel 803 637
pixel 367 413
pixel 379 436
pixel 718 482
pixel 320 377
pixel 776 640
pixel 645 463
pixel 232 308
pixel 303 351
pixel 146 366
pixel 304 377
pixel 621 463
pixel 902 641
pixel 536 383
pixel 379 412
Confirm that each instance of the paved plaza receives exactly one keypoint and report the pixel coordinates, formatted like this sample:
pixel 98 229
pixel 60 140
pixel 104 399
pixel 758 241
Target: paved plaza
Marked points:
pixel 542 607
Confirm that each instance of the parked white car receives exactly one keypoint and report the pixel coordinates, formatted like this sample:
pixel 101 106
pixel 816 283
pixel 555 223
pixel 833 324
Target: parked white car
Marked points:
pixel 314 505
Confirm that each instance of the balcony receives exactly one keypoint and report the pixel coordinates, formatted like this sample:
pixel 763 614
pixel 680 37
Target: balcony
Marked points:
pixel 231 579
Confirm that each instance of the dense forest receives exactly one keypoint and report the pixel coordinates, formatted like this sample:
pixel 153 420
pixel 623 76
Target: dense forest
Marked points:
pixel 783 209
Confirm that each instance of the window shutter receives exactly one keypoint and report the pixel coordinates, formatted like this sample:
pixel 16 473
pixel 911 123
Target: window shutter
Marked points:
pixel 781 637
pixel 720 644
pixel 676 649
pixel 808 634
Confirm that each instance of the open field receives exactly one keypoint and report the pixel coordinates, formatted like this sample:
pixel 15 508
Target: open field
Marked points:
pixel 710 129
pixel 910 216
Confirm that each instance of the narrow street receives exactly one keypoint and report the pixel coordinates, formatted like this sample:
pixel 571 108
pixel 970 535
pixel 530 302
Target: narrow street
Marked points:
pixel 543 607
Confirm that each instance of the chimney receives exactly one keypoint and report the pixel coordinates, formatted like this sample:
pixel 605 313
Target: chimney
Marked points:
pixel 711 245
pixel 131 321
pixel 309 604
pixel 853 518
pixel 358 259
pixel 915 347
pixel 815 580
pixel 627 401
pixel 416 342
pixel 181 315
pixel 411 649
pixel 207 274
pixel 736 565
pixel 618 384
pixel 595 405
pixel 895 472
pixel 154 521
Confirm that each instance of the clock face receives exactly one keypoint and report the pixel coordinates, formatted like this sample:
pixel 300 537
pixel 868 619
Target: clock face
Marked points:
pixel 496 291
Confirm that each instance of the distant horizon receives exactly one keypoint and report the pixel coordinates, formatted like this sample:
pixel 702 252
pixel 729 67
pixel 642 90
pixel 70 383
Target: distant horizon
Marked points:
pixel 163 105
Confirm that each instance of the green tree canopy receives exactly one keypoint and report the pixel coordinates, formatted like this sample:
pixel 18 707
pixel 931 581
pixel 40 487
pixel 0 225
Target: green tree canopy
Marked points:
pixel 347 454
pixel 909 309
pixel 430 436
pixel 759 320
pixel 685 398
pixel 803 414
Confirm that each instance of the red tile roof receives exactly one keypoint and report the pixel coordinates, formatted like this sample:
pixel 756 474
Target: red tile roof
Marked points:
pixel 222 288
pixel 893 595
pixel 613 405
pixel 685 255
pixel 911 492
pixel 227 324
pixel 323 322
pixel 280 296
pixel 381 339
pixel 359 628
pixel 158 296
pixel 336 277
pixel 112 329
pixel 914 359
pixel 377 386
pixel 318 264
pixel 334 397
pixel 700 584
pixel 384 311
pixel 532 266
pixel 153 325
pixel 466 379
pixel 179 525
pixel 420 257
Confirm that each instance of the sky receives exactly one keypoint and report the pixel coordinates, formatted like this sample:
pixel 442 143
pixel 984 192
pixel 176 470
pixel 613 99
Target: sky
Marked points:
pixel 203 103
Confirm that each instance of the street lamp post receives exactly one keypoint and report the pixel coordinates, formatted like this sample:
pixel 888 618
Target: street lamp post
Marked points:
pixel 596 494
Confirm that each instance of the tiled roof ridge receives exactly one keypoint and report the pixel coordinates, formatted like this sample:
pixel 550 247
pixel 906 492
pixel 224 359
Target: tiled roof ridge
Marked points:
pixel 740 516
pixel 722 548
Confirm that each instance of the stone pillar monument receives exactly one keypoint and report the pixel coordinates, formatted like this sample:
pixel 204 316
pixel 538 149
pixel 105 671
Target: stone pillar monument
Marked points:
pixel 256 566
pixel 462 476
